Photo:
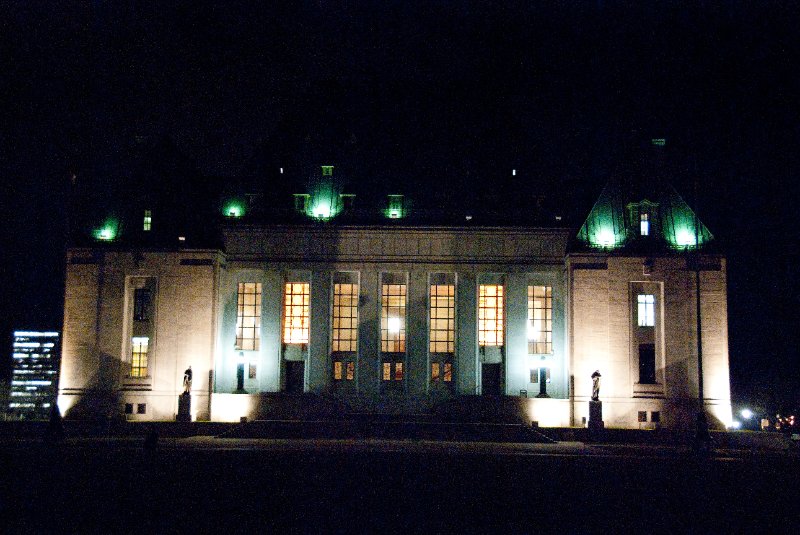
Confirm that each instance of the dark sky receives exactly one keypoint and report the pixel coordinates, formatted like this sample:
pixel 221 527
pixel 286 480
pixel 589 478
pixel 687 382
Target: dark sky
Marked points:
pixel 436 95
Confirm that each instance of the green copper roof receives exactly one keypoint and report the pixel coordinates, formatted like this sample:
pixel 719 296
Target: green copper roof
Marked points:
pixel 614 220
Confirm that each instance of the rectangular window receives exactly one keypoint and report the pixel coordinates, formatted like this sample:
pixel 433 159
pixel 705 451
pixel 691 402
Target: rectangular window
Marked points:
pixel 251 371
pixel 337 370
pixel 393 318
pixel 642 416
pixel 248 316
pixel 141 408
pixel 139 356
pixel 647 364
pixel 490 315
pixel 351 370
pixel 434 371
pixel 448 372
pixel 644 224
pixel 392 371
pixel 129 408
pixel 148 220
pixel 540 319
pixel 141 304
pixel 646 306
pixel 345 317
pixel 442 318
pixel 295 313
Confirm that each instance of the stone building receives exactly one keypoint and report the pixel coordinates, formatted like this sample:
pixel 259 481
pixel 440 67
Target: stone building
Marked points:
pixel 335 309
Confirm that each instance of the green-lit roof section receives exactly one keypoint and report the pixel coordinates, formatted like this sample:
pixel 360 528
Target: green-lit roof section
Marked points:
pixel 397 207
pixel 324 199
pixel 107 231
pixel 609 226
pixel 234 208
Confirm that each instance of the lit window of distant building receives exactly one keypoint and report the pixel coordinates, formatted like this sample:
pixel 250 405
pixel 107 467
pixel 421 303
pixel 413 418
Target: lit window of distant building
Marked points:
pixel 148 220
pixel 442 318
pixel 393 318
pixel 345 317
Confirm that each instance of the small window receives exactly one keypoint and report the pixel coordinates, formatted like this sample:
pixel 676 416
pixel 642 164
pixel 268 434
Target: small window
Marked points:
pixel 434 372
pixel 139 356
pixel 327 170
pixel 448 372
pixel 148 220
pixel 642 416
pixel 344 332
pixel 251 371
pixel 644 224
pixel 647 364
pixel 337 370
pixel 129 408
pixel 535 375
pixel 392 371
pixel 646 308
pixel 655 416
pixel 351 371
pixel 141 408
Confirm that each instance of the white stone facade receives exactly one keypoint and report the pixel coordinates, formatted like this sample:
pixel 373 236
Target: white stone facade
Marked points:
pixel 193 320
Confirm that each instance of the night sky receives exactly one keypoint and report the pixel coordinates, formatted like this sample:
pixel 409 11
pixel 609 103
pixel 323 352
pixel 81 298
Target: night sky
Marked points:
pixel 438 96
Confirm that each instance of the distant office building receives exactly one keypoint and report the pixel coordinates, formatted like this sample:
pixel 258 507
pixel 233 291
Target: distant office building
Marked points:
pixel 34 381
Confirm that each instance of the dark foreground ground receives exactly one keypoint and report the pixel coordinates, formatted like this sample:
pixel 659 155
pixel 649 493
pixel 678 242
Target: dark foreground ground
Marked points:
pixel 377 486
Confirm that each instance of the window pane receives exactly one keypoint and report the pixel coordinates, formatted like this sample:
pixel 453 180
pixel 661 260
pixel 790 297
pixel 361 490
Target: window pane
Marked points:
pixel 393 318
pixel 248 318
pixel 345 317
pixel 296 313
pixel 540 323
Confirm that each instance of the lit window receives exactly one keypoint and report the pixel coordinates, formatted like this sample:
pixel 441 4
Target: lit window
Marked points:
pixel 442 318
pixel 337 370
pixel 139 356
pixel 490 315
pixel 448 372
pixel 248 316
pixel 251 371
pixel 148 220
pixel 345 317
pixel 327 170
pixel 540 319
pixel 393 318
pixel 295 313
pixel 646 304
pixel 644 224
pixel 435 371
pixel 351 370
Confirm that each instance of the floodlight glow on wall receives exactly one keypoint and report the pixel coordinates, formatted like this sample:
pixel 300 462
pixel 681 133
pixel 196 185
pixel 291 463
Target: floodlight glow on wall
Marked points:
pixel 396 208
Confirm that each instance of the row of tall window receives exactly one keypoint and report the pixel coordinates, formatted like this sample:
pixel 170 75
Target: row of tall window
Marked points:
pixel 441 317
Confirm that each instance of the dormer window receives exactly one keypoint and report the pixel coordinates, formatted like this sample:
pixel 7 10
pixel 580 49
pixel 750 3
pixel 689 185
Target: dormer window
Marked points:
pixel 644 216
pixel 327 170
pixel 147 223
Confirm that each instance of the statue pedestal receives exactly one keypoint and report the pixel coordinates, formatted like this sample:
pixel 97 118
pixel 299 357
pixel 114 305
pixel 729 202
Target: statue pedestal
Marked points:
pixel 184 407
pixel 596 415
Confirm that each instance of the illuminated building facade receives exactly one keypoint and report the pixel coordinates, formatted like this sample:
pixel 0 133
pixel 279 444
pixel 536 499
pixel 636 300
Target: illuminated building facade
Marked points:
pixel 34 379
pixel 329 312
